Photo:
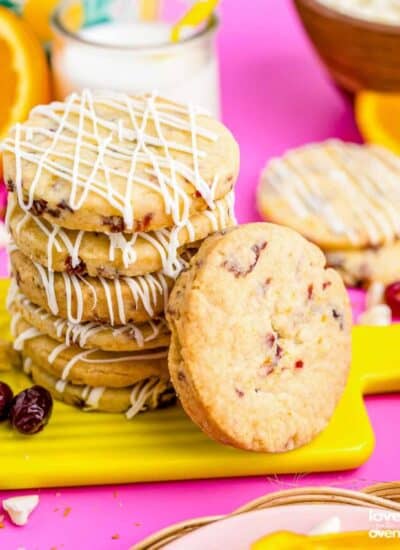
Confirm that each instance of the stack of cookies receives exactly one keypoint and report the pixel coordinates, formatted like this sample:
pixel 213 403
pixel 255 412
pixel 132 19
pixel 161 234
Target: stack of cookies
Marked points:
pixel 345 198
pixel 108 197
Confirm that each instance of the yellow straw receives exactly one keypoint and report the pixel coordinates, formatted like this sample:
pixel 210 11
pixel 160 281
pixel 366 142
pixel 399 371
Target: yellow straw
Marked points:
pixel 198 13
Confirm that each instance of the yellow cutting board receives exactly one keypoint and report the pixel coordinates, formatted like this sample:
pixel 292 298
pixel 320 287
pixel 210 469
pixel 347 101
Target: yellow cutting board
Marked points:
pixel 81 448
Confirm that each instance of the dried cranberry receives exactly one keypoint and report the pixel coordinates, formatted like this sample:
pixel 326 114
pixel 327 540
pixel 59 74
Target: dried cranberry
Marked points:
pixel 144 224
pixel 6 397
pixel 31 410
pixel 392 297
pixel 63 205
pixel 79 269
pixel 38 207
pixel 116 223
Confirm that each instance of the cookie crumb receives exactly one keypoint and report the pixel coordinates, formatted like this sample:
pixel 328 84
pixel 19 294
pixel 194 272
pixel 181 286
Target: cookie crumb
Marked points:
pixel 115 536
pixel 67 511
pixel 240 393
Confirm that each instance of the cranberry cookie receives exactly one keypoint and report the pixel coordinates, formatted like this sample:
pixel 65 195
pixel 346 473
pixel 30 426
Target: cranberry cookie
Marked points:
pixel 339 195
pixel 89 335
pixel 79 299
pixel 260 349
pixel 360 268
pixel 114 254
pixel 91 366
pixel 109 162
pixel 148 394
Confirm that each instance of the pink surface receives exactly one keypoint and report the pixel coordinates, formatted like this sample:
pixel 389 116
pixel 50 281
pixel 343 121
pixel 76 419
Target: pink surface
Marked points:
pixel 275 96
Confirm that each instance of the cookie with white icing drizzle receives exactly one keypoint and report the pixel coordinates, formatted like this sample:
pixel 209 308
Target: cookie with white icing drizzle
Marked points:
pixel 261 340
pixel 90 367
pixel 109 162
pixel 129 337
pixel 116 254
pixel 339 195
pixel 360 268
pixel 145 395
pixel 81 299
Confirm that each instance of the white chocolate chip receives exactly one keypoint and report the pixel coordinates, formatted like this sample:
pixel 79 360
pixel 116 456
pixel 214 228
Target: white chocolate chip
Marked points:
pixel 327 527
pixel 379 315
pixel 20 508
pixel 374 295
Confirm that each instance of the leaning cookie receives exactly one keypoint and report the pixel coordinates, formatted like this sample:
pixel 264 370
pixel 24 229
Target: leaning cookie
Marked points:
pixel 260 348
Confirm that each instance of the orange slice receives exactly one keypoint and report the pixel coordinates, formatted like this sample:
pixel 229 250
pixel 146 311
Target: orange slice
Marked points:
pixel 24 73
pixel 37 15
pixel 378 116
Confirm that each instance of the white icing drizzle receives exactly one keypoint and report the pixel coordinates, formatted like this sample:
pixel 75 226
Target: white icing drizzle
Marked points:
pixel 13 293
pixel 56 352
pixel 83 356
pixel 93 398
pixel 48 285
pixel 155 355
pixel 103 140
pixel 365 178
pixel 140 394
pixel 85 392
pixel 14 321
pixel 144 394
pixel 27 365
pixel 27 334
pixel 61 385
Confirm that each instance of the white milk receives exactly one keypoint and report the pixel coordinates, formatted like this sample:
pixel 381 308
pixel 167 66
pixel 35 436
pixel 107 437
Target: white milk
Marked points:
pixel 135 57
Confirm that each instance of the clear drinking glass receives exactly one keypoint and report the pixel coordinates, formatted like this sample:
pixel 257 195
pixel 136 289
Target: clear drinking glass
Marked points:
pixel 124 45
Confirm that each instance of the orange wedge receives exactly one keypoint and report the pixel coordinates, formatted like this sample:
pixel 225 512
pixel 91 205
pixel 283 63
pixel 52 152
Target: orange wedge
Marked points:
pixel 37 14
pixel 378 116
pixel 24 73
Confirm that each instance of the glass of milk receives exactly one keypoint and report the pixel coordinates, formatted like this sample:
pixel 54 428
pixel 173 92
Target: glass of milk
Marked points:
pixel 125 45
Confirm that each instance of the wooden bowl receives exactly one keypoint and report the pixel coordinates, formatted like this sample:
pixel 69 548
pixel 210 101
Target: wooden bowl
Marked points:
pixel 359 54
pixel 381 495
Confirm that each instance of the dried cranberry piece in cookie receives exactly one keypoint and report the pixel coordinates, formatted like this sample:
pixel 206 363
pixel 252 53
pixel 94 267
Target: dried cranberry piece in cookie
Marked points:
pixel 79 269
pixel 116 223
pixel 38 207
